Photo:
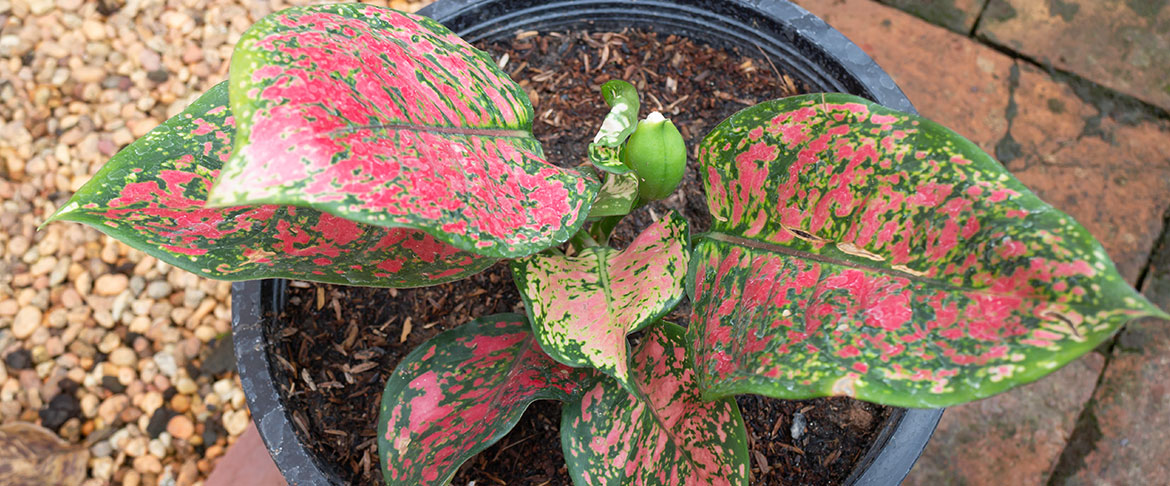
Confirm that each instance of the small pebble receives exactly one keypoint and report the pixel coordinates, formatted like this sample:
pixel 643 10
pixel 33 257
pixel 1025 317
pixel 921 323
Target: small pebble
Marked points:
pixel 101 449
pixel 186 385
pixel 111 284
pixel 180 427
pixel 157 448
pixel 159 421
pixel 26 321
pixel 235 421
pixel 109 410
pixel 166 364
pixel 123 356
pixel 19 359
pixel 60 409
pixel 135 447
pixel 158 289
pixel 147 464
pixel 112 384
pixel 102 468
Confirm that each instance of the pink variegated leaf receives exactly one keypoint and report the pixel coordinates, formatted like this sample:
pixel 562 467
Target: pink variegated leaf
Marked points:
pixel 461 392
pixel 862 251
pixel 388 118
pixel 583 306
pixel 150 196
pixel 664 434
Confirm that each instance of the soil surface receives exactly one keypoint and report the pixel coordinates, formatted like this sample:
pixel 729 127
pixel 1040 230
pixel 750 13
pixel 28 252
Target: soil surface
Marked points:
pixel 335 346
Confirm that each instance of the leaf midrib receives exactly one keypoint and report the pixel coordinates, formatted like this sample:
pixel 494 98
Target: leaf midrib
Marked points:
pixel 678 443
pixel 475 132
pixel 759 245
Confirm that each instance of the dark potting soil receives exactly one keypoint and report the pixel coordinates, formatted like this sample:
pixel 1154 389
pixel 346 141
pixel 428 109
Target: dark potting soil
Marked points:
pixel 338 345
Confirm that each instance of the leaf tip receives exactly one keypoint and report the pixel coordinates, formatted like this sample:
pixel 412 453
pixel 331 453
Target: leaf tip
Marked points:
pixel 1158 313
pixel 62 214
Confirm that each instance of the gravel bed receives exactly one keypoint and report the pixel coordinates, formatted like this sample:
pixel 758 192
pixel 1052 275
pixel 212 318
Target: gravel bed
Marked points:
pixel 124 358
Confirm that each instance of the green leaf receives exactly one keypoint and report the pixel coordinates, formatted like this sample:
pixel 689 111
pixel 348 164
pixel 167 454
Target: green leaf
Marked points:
pixel 389 119
pixel 582 307
pixel 461 392
pixel 603 228
pixel 619 123
pixel 608 159
pixel 617 197
pixel 862 251
pixel 665 435
pixel 151 196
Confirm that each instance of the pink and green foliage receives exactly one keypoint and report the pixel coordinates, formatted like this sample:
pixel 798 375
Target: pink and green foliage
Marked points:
pixel 460 393
pixel 388 118
pixel 855 250
pixel 151 196
pixel 665 434
pixel 583 306
pixel 862 251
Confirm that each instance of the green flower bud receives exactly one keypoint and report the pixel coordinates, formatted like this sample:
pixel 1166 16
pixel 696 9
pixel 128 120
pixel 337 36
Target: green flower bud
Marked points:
pixel 658 155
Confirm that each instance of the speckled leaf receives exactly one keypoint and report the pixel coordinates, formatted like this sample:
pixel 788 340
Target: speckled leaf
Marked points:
pixel 390 119
pixel 619 123
pixel 582 306
pixel 665 435
pixel 861 251
pixel 461 392
pixel 150 196
pixel 617 197
pixel 608 159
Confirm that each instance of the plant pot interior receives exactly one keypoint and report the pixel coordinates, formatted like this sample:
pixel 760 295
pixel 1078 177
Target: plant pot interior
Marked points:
pixel 334 346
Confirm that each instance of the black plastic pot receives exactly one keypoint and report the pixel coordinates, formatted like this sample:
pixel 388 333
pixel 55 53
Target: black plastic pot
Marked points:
pixel 798 42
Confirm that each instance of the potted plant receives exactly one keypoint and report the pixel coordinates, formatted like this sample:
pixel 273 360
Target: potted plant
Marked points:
pixel 857 250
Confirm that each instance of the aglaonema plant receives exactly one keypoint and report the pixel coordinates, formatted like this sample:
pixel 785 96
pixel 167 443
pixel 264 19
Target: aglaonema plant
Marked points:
pixel 855 250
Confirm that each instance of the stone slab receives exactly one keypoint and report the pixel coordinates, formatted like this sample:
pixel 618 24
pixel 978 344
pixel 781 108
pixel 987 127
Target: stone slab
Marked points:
pixel 1112 176
pixel 950 78
pixel 1121 44
pixel 1128 439
pixel 1012 438
pixel 956 15
pixel 246 462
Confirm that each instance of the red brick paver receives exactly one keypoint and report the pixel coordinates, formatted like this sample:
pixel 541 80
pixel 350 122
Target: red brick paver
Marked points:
pixel 1013 438
pixel 957 15
pixel 950 79
pixel 1121 44
pixel 1127 442
pixel 246 463
pixel 1112 177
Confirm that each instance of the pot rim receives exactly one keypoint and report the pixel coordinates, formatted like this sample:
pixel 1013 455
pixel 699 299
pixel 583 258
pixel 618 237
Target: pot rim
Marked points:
pixel 806 47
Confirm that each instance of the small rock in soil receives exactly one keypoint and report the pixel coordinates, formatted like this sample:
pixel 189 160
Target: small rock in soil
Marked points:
pixel 799 423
